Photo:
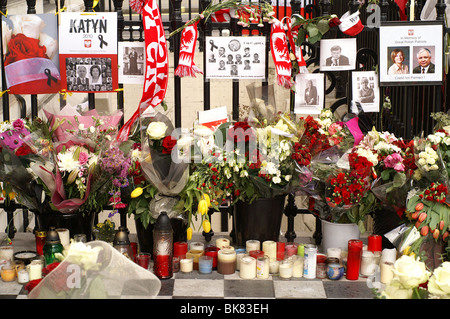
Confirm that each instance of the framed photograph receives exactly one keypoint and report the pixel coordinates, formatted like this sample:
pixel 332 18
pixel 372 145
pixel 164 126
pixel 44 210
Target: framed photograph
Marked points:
pixel 235 58
pixel 337 54
pixel 31 55
pixel 131 57
pixel 309 93
pixel 365 90
pixel 411 53
pixel 88 51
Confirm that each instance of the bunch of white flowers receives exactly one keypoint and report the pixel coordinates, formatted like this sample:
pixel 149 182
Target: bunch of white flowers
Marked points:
pixel 367 153
pixel 428 159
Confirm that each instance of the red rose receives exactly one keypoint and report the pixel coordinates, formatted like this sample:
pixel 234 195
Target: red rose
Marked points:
pixel 241 131
pixel 21 47
pixel 334 22
pixel 168 144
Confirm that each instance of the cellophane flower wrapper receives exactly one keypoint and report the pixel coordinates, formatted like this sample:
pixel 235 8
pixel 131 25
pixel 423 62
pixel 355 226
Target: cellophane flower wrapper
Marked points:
pixel 390 194
pixel 262 102
pixel 161 164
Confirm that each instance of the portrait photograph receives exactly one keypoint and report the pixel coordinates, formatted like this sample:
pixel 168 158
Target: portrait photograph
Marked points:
pixel 337 54
pixel 131 56
pixel 309 93
pixel 235 58
pixel 411 53
pixel 365 90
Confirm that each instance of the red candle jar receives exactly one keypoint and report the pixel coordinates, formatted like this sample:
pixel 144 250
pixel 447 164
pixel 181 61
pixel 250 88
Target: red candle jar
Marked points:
pixel 180 248
pixel 280 250
pixel 40 241
pixel 374 243
pixel 163 266
pixel 291 249
pixel 354 258
pixel 134 248
pixel 212 251
pixel 256 253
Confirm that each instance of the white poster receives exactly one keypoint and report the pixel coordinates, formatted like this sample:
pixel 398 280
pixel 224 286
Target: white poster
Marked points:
pixel 365 90
pixel 309 93
pixel 235 57
pixel 131 62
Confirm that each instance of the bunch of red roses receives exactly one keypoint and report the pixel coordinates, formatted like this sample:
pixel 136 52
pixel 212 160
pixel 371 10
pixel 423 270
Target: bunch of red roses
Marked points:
pixel 436 192
pixel 346 190
pixel 360 165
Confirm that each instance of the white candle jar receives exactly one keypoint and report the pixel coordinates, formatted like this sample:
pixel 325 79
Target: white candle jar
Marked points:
pixel 247 267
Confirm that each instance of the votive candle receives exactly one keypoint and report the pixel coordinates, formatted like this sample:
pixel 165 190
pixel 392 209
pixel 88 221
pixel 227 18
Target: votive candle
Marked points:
pixel 35 269
pixel 195 254
pixel 64 236
pixel 205 264
pixel 221 242
pixel 240 253
pixel 291 249
pixel 368 265
pixel 7 253
pixel 297 267
pixel 389 255
pixel 334 253
pixel 212 252
pixel 386 272
pixel 256 253
pixel 247 267
pixel 301 250
pixel 23 277
pixel 263 267
pixel 252 244
pixel 187 264
pixel 8 273
pixel 180 248
pixel 285 269
pixel 270 249
pixel 197 246
pixel 281 247
pixel 274 266
pixel 226 261
pixel 374 243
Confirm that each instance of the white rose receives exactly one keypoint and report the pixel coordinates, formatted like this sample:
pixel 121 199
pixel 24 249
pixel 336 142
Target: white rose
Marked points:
pixel 439 283
pixel 276 179
pixel 203 131
pixel 431 161
pixel 30 25
pixel 288 177
pixel 396 291
pixel 50 44
pixel 422 161
pixel 156 130
pixel 7 32
pixel 410 272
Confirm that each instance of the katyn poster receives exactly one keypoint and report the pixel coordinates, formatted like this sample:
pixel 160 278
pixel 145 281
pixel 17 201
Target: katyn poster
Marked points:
pixel 88 51
pixel 30 50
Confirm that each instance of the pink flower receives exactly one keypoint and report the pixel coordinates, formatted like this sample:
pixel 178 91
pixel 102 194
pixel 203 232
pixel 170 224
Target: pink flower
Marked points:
pixel 334 128
pixel 83 158
pixel 18 125
pixel 394 161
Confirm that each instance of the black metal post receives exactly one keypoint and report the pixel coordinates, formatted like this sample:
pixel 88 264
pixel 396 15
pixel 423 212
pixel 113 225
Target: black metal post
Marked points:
pixel 5 97
pixel 206 31
pixel 176 22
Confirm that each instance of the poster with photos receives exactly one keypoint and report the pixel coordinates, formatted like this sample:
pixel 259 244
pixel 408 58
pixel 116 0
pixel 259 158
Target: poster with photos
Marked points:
pixel 365 90
pixel 411 53
pixel 338 54
pixel 309 93
pixel 31 57
pixel 235 58
pixel 131 57
pixel 88 51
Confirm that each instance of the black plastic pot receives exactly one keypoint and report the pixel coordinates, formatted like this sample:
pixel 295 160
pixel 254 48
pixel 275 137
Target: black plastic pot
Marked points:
pixel 76 223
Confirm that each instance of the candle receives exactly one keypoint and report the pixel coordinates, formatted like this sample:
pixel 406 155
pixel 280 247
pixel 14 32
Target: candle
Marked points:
pixel 262 267
pixel 301 250
pixel 274 267
pixel 225 32
pixel 291 249
pixel 368 265
pixel 35 269
pixel 196 246
pixel 240 253
pixel 195 254
pixel 354 258
pixel 212 252
pixel 247 267
pixel 180 248
pixel 162 266
pixel 285 269
pixel 334 253
pixel 7 253
pixel 270 249
pixel 252 245
pixel 205 264
pixel 143 260
pixel 321 270
pixel 226 261
pixel 23 277
pixel 389 255
pixel 40 241
pixel 310 262
pixel 374 243
pixel 256 253
pixel 64 236
pixel 386 272
pixel 280 250
pixel 297 267
pixel 8 273
pixel 187 264
pixel 80 238
pixel 221 242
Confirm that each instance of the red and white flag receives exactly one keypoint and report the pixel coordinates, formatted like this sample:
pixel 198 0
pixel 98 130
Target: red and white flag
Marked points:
pixel 280 54
pixel 186 65
pixel 156 65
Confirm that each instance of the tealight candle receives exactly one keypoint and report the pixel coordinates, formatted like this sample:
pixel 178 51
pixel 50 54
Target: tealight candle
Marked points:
pixel 262 267
pixel 270 249
pixel 252 244
pixel 187 264
pixel 8 273
pixel 205 264
pixel 226 261
pixel 221 242
pixel 285 269
pixel 64 236
pixel 247 267
pixel 7 253
pixel 297 267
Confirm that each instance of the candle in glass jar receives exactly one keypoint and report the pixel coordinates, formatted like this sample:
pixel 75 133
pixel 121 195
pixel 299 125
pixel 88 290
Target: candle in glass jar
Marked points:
pixel 256 253
pixel 187 264
pixel 285 269
pixel 386 272
pixel 374 243
pixel 40 241
pixel 263 267
pixel 274 266
pixel 23 277
pixel 205 264
pixel 8 273
pixel 226 261
pixel 297 267
pixel 252 244
pixel 180 248
pixel 270 249
pixel 195 254
pixel 354 258
pixel 212 252
pixel 35 269
pixel 334 253
pixel 197 246
pixel 7 253
pixel 247 267
pixel 281 247
pixel 222 242
pixel 368 265
pixel 301 250
pixel 291 249
pixel 240 253
pixel 389 255
pixel 64 236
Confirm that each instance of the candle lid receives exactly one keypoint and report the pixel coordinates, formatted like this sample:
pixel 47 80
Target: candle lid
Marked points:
pixel 52 236
pixel 163 222
pixel 121 237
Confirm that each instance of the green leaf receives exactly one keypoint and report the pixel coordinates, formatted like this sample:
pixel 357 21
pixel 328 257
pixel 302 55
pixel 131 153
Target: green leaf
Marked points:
pixel 301 36
pixel 399 179
pixel 323 26
pixel 312 30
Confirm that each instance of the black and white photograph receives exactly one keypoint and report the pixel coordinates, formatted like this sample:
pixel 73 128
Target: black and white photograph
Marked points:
pixel 235 58
pixel 309 96
pixel 411 53
pixel 131 62
pixel 365 90
pixel 337 54
pixel 89 74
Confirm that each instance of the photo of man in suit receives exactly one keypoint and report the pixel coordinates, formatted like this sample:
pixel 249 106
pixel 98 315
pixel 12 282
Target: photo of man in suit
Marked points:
pixel 336 58
pixel 424 60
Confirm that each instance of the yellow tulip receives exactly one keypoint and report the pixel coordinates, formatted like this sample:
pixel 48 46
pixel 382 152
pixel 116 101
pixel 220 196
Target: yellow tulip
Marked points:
pixel 137 192
pixel 202 207
pixel 206 226
pixel 189 233
pixel 208 200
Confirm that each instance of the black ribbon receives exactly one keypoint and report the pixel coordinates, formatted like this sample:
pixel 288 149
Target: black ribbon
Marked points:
pixel 102 42
pixel 50 77
pixel 213 46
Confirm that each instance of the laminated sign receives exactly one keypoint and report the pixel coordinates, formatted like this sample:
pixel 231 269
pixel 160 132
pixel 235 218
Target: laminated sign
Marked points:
pixel 88 51
pixel 30 50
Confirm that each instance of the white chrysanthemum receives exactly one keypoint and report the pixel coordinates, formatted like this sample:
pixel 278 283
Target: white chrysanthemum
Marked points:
pixel 5 126
pixel 66 162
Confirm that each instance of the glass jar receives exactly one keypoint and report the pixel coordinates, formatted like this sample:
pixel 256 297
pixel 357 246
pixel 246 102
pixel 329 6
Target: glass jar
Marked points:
pixel 52 246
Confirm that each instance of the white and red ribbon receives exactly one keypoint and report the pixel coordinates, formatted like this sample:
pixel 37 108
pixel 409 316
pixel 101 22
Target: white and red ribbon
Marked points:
pixel 156 65
pixel 280 54
pixel 186 65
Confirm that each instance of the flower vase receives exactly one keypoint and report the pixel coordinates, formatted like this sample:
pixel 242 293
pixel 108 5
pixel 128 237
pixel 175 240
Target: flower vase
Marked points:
pixel 259 220
pixel 336 235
